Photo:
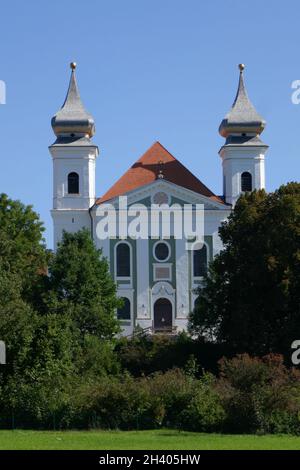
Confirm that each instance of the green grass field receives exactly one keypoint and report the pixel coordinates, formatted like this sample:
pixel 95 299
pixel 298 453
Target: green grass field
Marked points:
pixel 144 440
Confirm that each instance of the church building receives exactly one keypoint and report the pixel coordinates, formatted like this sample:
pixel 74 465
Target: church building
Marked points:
pixel 156 277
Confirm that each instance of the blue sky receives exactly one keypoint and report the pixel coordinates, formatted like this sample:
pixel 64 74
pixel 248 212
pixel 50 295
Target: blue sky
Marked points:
pixel 147 70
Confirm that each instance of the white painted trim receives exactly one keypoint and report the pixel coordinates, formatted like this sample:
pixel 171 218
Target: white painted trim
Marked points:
pixel 173 309
pixel 142 279
pixel 123 278
pixel 128 294
pixel 163 290
pixel 182 279
pixel 173 189
pixel 199 278
pixel 65 152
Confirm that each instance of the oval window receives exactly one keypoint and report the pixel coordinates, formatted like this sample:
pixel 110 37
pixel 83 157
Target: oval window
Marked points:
pixel 161 251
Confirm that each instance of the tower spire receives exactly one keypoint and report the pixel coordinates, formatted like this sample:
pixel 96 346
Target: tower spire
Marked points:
pixel 243 153
pixel 72 120
pixel 242 118
pixel 74 164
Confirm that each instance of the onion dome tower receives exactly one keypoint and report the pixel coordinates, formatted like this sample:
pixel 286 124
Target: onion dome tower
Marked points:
pixel 74 163
pixel 243 154
pixel 72 121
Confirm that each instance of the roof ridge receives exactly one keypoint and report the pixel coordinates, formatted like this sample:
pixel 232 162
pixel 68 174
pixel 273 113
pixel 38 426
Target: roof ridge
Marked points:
pixel 145 171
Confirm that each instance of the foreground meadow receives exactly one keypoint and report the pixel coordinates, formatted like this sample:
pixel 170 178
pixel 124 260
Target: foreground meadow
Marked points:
pixel 143 440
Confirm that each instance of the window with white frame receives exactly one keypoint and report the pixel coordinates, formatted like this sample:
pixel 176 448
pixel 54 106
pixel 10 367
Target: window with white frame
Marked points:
pixel 124 312
pixel 161 251
pixel 200 261
pixel 123 260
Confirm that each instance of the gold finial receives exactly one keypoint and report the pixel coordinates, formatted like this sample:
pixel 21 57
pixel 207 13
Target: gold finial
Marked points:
pixel 73 65
pixel 241 67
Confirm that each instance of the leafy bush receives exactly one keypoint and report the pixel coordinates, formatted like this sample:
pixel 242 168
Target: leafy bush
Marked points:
pixel 128 403
pixel 205 412
pixel 113 404
pixel 173 390
pixel 172 399
pixel 260 395
pixel 251 395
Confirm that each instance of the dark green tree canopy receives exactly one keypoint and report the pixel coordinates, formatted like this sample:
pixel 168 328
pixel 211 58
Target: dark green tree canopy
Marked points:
pixel 251 297
pixel 79 278
pixel 22 248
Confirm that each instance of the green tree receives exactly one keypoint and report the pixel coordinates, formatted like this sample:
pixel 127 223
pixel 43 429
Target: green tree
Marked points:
pixel 57 325
pixel 22 249
pixel 40 352
pixel 251 297
pixel 18 322
pixel 79 279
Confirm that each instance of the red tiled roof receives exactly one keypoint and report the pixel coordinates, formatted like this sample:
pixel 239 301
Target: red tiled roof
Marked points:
pixel 146 170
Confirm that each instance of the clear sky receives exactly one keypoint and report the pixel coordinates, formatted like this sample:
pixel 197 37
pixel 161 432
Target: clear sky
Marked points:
pixel 147 70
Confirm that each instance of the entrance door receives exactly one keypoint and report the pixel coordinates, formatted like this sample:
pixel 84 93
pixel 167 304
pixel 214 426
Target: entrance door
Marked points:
pixel 163 315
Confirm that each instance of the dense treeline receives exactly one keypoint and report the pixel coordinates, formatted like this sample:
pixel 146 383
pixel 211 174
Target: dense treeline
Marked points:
pixel 250 395
pixel 251 297
pixel 57 317
pixel 66 368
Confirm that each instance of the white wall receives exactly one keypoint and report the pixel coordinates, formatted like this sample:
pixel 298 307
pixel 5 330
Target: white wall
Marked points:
pixel 142 260
pixel 71 211
pixel 181 298
pixel 235 161
pixel 182 279
pixel 70 221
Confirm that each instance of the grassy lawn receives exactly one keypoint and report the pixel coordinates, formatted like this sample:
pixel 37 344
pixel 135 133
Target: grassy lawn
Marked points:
pixel 144 440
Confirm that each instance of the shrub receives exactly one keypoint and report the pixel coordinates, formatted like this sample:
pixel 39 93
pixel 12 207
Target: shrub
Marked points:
pixel 174 389
pixel 130 403
pixel 114 403
pixel 260 395
pixel 204 413
pixel 172 399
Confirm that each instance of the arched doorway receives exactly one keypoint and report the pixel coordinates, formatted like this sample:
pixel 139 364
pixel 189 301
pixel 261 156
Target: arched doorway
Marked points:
pixel 163 315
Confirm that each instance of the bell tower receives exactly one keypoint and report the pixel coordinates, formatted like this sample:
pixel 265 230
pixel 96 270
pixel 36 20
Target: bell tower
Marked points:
pixel 74 164
pixel 243 154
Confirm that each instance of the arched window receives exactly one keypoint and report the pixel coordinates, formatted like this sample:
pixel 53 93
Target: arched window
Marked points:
pixel 123 260
pixel 73 183
pixel 200 262
pixel 123 313
pixel 246 181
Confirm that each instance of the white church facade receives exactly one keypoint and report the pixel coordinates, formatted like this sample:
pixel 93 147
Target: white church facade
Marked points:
pixel 156 277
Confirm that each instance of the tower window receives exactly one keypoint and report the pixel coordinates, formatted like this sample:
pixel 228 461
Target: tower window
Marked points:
pixel 73 183
pixel 200 262
pixel 123 313
pixel 123 260
pixel 246 181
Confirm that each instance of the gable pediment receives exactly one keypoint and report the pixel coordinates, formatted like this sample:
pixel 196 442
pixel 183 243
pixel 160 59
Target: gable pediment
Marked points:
pixel 176 195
